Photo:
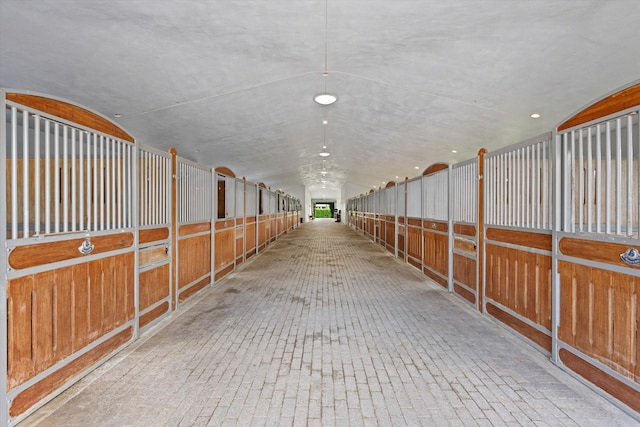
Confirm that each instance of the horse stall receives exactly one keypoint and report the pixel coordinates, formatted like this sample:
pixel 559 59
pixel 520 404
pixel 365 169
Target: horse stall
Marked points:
pixel 517 244
pixel 435 223
pixel 192 192
pixel 381 216
pixel 390 217
pixel 598 252
pixel 414 222
pixel 154 236
pixel 266 217
pixel 71 247
pixel 251 220
pixel 225 225
pixel 401 220
pixel 465 207
pixel 281 214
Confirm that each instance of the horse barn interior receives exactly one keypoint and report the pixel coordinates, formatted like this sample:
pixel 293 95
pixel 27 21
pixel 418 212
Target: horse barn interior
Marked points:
pixel 158 151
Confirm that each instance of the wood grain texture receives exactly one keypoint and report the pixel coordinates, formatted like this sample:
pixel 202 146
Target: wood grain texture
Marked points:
pixel 188 229
pixel 465 246
pixel 599 316
pixel 224 253
pixel 152 254
pixel 606 382
pixel 72 113
pixel 223 272
pixel 250 237
pixel 194 259
pixel 436 252
pixel 53 314
pixel 414 243
pixel 464 270
pixel 436 167
pixel 32 395
pixel 520 238
pixel 520 281
pixel 153 235
pixel 595 251
pixel 535 335
pixel 464 293
pixel 152 315
pixel 464 230
pixel 64 250
pixel 436 226
pixel 433 276
pixel 619 101
pixel 193 289
pixel 155 285
pixel 225 171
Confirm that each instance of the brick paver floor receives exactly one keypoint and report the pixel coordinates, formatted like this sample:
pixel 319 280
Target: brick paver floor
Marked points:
pixel 326 329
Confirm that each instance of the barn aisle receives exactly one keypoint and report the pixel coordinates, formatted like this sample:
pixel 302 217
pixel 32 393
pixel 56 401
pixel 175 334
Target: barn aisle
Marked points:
pixel 323 329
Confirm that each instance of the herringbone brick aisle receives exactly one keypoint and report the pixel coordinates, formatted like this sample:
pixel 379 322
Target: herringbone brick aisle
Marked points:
pixel 326 329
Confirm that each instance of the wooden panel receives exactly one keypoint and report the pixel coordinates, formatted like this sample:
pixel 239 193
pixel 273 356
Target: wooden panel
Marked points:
pixel 46 253
pixel 464 270
pixel 188 229
pixel 599 316
pixel 194 259
pixel 595 251
pixel 414 243
pixel 187 293
pixel 239 221
pixel 436 167
pixel 464 293
pixel 464 246
pixel 225 241
pixel 55 313
pixel 152 315
pixel 250 237
pixel 152 254
pixel 225 171
pixel 539 337
pixel 435 277
pixel 415 222
pixel 390 237
pixel 153 235
pixel 220 274
pixel 221 225
pixel 239 247
pixel 72 113
pixel 520 238
pixel 619 101
pixel 611 385
pixel 436 226
pixel 436 252
pixel 32 395
pixel 154 286
pixel 520 281
pixel 464 230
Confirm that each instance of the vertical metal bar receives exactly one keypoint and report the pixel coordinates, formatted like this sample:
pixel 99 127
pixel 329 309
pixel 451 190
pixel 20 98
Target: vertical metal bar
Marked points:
pixel 14 173
pixel 96 172
pixel 37 166
pixel 573 201
pixel 566 184
pixel 618 176
pixel 608 179
pixel 65 178
pixel 630 199
pixel 598 179
pixel 25 174
pixel 56 172
pixel 537 190
pixel 81 175
pixel 119 171
pixel 74 177
pixel 547 195
pixel 581 201
pixel 47 178
pixel 589 176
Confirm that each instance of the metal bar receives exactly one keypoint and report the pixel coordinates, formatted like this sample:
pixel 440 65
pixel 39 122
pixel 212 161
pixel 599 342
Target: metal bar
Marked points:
pixel 546 206
pixel 65 178
pixel 630 198
pixel 618 176
pixel 581 201
pixel 37 167
pixel 47 179
pixel 608 179
pixel 14 173
pixel 25 174
pixel 96 171
pixel 598 179
pixel 74 177
pixel 589 201
pixel 56 171
pixel 81 175
pixel 572 204
pixel 119 160
pixel 566 209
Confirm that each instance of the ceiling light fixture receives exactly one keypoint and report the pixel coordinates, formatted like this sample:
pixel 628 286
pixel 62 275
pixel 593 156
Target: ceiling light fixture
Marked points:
pixel 454 151
pixel 535 116
pixel 117 115
pixel 325 98
pixel 324 122
pixel 324 154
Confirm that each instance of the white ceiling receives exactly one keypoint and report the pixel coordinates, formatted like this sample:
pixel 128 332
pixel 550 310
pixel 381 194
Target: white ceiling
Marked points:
pixel 230 83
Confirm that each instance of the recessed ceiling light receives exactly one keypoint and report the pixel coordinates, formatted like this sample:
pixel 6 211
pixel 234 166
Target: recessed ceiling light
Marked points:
pixel 454 151
pixel 324 153
pixel 397 176
pixel 324 122
pixel 323 172
pixel 417 167
pixel 383 182
pixel 117 115
pixel 535 116
pixel 325 99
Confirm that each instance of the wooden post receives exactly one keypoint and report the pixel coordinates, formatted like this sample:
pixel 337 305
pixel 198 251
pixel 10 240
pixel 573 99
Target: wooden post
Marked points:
pixel 480 228
pixel 174 226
